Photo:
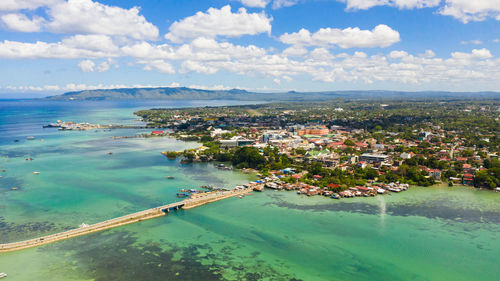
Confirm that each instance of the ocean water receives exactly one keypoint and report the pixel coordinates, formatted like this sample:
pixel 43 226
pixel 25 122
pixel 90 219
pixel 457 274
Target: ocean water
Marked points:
pixel 436 233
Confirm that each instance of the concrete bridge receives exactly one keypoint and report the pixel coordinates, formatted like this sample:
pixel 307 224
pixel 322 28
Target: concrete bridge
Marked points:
pixel 127 219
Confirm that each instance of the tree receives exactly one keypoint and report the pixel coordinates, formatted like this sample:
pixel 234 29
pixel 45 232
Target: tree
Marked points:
pixel 300 151
pixel 349 142
pixel 248 156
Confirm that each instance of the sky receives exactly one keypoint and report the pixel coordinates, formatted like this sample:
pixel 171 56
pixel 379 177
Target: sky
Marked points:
pixel 53 46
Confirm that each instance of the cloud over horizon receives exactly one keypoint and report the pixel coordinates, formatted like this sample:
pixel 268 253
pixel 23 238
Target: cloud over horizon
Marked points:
pixel 103 42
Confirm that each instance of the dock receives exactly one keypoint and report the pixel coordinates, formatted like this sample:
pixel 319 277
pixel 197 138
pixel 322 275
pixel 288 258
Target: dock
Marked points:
pixel 124 220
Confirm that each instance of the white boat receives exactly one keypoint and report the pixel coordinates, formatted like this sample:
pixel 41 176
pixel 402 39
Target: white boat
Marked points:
pixel 36 173
pixel 30 138
pixel 3 274
pixel 381 191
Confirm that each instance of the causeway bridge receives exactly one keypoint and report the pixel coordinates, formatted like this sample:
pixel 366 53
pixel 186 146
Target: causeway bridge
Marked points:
pixel 152 213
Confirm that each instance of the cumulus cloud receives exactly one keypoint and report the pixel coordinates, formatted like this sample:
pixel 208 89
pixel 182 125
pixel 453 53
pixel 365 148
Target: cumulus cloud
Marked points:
pixel 479 66
pixel 159 65
pixel 14 5
pixel 463 10
pixel 89 17
pixel 86 66
pixel 401 4
pixel 213 88
pixel 477 10
pixel 80 17
pixel 295 51
pixel 90 66
pixel 381 36
pixel 20 22
pixel 96 43
pixel 255 3
pixel 476 54
pixel 277 4
pixel 219 22
pixel 21 50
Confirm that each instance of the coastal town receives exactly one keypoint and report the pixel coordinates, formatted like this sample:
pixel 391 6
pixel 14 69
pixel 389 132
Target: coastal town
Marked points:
pixel 327 149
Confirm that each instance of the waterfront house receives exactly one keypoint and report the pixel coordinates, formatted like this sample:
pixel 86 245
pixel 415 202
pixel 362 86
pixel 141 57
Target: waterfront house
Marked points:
pixel 468 179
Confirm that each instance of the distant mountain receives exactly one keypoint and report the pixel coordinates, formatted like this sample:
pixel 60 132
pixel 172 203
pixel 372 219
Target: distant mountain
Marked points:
pixel 183 93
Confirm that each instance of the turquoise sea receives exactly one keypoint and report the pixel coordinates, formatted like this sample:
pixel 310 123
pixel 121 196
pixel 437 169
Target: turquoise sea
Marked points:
pixel 436 233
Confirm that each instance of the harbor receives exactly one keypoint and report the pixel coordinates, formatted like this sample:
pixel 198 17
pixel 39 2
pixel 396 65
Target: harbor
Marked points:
pixel 300 188
pixel 85 126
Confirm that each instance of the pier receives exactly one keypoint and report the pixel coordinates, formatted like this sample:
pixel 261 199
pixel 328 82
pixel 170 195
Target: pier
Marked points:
pixel 124 220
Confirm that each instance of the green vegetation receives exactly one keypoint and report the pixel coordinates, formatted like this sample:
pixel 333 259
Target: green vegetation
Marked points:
pixel 446 139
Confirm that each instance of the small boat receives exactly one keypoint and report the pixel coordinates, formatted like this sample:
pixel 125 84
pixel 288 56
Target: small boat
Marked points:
pixel 52 125
pixel 381 191
pixel 182 195
pixel 30 138
pixel 14 188
pixel 335 196
pixel 258 188
pixel 36 173
pixel 170 178
pixel 240 196
pixel 3 274
pixel 16 140
pixel 29 159
pixel 110 153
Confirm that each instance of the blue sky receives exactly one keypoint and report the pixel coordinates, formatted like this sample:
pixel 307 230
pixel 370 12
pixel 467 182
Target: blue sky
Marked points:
pixel 53 46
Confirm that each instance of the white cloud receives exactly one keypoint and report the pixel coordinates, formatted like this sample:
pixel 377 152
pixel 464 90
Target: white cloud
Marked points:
pixel 463 10
pixel 468 10
pixel 104 66
pixel 80 17
pixel 428 54
pixel 213 88
pixel 82 87
pixel 159 65
pixel 401 4
pixel 20 22
pixel 381 36
pixel 472 42
pixel 21 50
pixel 295 51
pixel 255 3
pixel 90 66
pixel 96 43
pixel 86 66
pixel 89 17
pixel 196 66
pixel 219 22
pixel 277 4
pixel 398 67
pixel 14 5
pixel 476 54
pixel 320 54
